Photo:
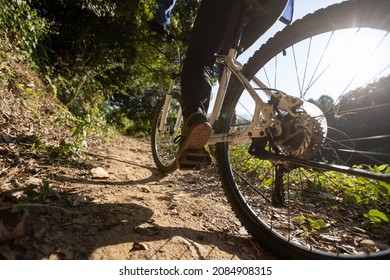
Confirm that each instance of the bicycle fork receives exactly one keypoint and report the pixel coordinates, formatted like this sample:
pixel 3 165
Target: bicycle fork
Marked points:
pixel 167 103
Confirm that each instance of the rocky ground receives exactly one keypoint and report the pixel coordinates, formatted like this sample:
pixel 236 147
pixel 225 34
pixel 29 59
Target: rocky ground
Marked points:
pixel 127 211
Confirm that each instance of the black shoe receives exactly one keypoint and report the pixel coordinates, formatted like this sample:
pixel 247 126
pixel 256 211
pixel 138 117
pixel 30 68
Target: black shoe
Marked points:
pixel 195 134
pixel 158 28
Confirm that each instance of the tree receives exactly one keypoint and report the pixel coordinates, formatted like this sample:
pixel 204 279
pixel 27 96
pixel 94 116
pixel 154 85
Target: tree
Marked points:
pixel 101 53
pixel 364 114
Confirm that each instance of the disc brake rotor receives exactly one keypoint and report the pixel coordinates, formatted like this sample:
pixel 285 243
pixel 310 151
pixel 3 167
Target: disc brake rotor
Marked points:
pixel 303 134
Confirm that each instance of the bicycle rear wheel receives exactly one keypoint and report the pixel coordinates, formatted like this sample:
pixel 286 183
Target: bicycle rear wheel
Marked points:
pixel 321 189
pixel 163 147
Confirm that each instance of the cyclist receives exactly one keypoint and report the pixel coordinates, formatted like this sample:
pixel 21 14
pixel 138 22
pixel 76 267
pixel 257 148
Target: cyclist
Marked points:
pixel 162 17
pixel 215 22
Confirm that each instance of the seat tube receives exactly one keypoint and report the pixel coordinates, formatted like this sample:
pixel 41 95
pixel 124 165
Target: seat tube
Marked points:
pixel 223 84
pixel 226 74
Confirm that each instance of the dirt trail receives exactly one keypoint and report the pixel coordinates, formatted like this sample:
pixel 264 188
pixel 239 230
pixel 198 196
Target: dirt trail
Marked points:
pixel 135 213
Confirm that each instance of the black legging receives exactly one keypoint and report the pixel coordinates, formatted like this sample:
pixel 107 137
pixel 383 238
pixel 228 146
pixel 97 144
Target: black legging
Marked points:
pixel 215 23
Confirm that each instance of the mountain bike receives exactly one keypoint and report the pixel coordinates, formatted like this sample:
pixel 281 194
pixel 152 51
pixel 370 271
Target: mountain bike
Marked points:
pixel 301 134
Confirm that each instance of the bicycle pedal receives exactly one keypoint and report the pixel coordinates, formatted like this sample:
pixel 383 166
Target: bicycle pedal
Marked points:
pixel 194 159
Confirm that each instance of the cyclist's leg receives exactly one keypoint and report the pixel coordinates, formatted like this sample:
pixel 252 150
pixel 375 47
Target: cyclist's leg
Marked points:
pixel 214 21
pixel 260 22
pixel 163 11
pixel 162 17
pixel 215 24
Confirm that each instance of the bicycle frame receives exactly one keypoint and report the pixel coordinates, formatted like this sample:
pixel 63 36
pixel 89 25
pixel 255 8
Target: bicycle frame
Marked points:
pixel 232 66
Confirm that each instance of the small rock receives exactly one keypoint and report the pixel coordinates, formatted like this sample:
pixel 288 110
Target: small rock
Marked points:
pixel 243 231
pixel 139 247
pixel 99 173
pixel 367 243
pixel 79 199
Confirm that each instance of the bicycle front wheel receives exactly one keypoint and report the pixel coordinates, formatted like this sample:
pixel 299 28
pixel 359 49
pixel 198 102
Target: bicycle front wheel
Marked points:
pixel 321 188
pixel 166 126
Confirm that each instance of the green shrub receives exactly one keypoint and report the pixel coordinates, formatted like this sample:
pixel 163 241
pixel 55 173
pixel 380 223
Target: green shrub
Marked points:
pixel 21 26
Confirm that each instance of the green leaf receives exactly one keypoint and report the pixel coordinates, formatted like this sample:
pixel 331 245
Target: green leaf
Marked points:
pixel 385 187
pixel 380 168
pixel 376 216
pixel 365 201
pixel 300 218
pixel 315 224
pixel 318 224
pixel 269 182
